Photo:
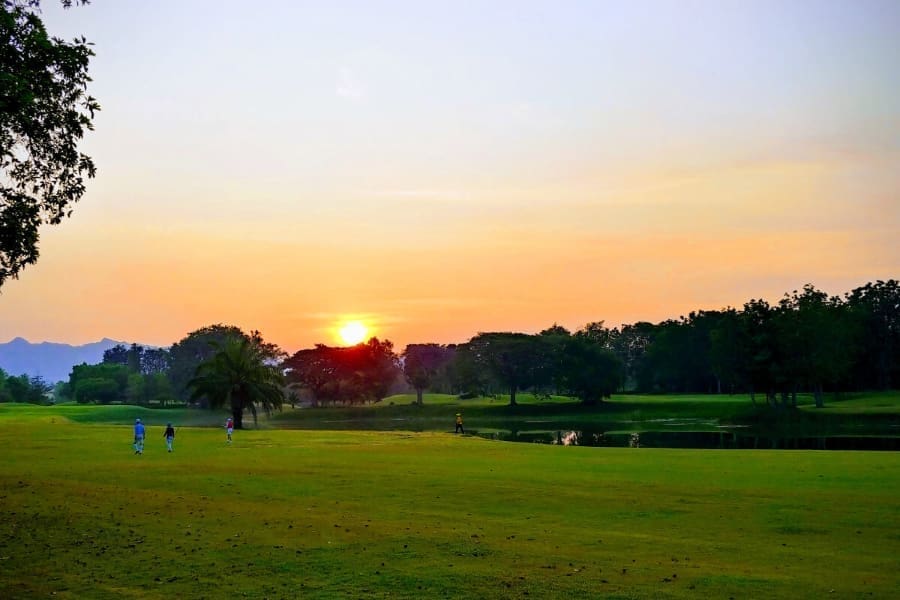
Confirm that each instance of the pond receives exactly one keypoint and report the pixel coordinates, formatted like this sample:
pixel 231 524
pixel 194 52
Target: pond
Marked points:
pixel 725 439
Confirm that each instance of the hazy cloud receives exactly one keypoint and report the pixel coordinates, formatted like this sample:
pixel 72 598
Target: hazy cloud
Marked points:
pixel 422 194
pixel 348 85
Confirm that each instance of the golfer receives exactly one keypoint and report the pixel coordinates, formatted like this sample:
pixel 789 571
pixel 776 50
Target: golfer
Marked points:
pixel 138 437
pixel 459 427
pixel 229 429
pixel 170 436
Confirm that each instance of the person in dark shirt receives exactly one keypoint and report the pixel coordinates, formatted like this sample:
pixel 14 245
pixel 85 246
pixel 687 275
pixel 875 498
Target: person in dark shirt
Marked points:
pixel 170 436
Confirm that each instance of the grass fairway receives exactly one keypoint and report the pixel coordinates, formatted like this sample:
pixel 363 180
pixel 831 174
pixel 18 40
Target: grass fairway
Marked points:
pixel 335 514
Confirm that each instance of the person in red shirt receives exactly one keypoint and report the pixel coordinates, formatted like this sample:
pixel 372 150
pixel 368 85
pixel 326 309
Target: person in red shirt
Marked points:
pixel 229 428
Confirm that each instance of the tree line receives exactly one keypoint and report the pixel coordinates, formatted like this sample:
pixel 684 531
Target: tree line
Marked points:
pixel 22 388
pixel 807 342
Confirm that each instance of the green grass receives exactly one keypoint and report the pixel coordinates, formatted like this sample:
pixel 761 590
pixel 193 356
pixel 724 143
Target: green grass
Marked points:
pixel 885 403
pixel 852 414
pixel 877 413
pixel 111 414
pixel 336 514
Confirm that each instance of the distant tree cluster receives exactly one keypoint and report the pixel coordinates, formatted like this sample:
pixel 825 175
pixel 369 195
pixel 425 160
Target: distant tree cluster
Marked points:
pixel 346 375
pixel 553 361
pixel 157 376
pixel 133 375
pixel 807 342
pixel 22 388
pixel 214 366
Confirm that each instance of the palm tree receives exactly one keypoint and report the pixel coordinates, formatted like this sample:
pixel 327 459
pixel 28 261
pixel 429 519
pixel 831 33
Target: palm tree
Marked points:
pixel 239 376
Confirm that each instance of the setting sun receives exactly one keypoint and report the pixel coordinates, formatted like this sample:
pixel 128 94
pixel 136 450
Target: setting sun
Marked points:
pixel 353 333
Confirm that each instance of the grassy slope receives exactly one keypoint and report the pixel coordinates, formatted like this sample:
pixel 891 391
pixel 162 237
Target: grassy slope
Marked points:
pixel 111 414
pixel 319 514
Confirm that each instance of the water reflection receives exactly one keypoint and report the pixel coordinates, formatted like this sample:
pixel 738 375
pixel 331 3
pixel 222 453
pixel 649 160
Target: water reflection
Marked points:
pixel 694 439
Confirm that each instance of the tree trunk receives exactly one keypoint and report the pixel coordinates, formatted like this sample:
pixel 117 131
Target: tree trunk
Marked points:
pixel 512 396
pixel 237 411
pixel 820 402
pixel 419 396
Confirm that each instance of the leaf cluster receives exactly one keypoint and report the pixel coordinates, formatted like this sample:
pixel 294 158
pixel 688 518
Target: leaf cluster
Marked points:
pixel 45 111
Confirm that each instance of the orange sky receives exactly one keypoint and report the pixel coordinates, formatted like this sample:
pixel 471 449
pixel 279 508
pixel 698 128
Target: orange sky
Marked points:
pixel 642 253
pixel 437 175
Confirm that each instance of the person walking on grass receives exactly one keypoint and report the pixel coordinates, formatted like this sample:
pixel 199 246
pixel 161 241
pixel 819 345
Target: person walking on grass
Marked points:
pixel 229 429
pixel 170 436
pixel 459 427
pixel 138 437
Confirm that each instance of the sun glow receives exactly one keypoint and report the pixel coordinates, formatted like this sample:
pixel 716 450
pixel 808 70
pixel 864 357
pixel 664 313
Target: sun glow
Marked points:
pixel 353 333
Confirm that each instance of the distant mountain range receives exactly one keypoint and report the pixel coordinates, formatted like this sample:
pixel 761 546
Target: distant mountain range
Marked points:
pixel 51 361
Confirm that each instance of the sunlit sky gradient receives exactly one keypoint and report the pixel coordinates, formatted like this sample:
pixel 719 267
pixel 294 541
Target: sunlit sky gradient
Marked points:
pixel 436 169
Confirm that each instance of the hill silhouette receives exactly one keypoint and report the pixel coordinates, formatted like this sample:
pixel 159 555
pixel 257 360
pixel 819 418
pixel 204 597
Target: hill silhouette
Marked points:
pixel 50 360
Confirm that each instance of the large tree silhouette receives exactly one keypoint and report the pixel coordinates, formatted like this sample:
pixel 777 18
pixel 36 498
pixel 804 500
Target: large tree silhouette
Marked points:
pixel 240 377
pixel 44 112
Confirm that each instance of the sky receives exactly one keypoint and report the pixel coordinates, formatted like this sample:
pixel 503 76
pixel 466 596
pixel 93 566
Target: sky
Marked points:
pixel 438 169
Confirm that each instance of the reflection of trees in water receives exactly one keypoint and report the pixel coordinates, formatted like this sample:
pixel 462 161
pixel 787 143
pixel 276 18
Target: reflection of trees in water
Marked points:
pixel 579 438
pixel 590 437
pixel 569 438
pixel 695 439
